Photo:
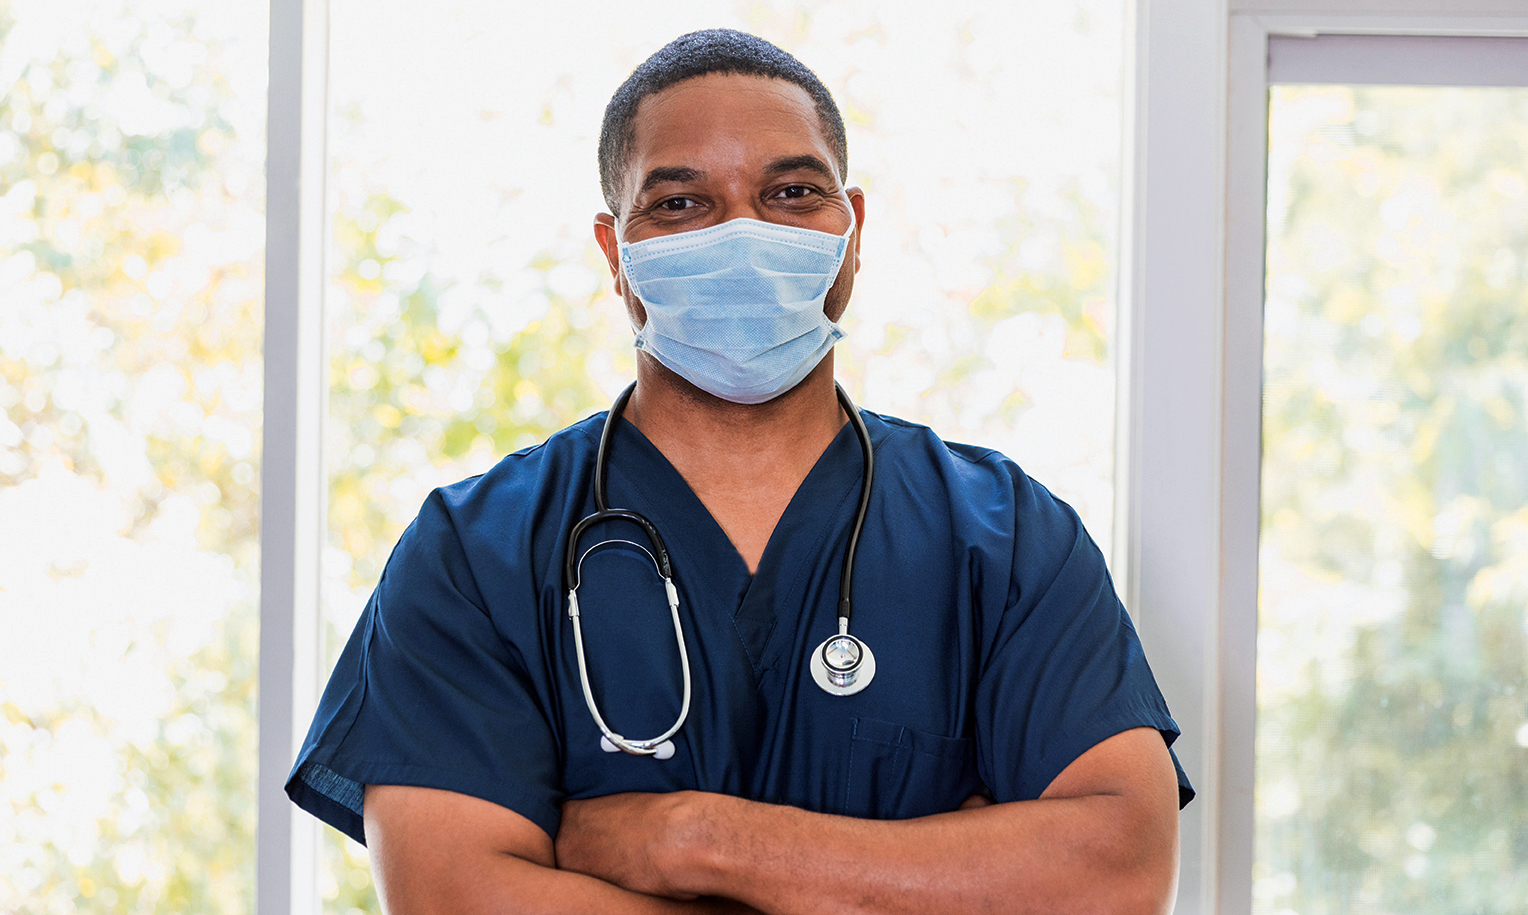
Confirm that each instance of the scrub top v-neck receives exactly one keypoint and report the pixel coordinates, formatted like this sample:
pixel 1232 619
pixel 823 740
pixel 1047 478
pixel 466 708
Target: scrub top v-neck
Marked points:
pixel 1003 653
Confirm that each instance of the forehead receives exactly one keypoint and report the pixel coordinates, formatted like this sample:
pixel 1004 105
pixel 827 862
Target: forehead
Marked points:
pixel 728 115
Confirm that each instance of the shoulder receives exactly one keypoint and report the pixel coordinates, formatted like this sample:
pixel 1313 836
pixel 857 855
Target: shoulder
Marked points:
pixel 546 464
pixel 523 484
pixel 976 478
pixel 525 500
pixel 995 515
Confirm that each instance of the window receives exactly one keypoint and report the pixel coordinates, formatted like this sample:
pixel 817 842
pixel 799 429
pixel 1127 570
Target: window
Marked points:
pixel 1328 761
pixel 1392 635
pixel 131 193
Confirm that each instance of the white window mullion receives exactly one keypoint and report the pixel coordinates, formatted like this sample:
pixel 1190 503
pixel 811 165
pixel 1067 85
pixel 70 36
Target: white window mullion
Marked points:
pixel 1241 459
pixel 1172 392
pixel 292 468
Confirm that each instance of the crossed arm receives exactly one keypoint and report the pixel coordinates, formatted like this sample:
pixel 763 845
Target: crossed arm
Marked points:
pixel 1102 838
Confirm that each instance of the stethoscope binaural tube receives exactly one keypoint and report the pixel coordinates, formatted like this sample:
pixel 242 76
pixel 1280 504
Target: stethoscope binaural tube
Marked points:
pixel 661 746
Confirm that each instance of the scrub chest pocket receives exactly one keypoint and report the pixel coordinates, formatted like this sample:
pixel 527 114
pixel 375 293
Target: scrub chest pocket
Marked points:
pixel 898 772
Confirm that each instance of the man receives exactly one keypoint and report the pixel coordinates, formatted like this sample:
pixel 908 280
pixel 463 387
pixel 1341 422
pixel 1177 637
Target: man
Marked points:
pixel 1006 749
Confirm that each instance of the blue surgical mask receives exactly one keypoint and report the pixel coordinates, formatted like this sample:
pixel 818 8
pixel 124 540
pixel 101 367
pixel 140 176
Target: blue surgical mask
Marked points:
pixel 736 309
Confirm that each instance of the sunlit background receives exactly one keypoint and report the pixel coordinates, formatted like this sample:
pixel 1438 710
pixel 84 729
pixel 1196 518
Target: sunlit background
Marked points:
pixel 1392 679
pixel 469 315
pixel 131 235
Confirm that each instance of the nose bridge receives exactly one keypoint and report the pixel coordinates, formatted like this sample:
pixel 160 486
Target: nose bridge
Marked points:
pixel 739 199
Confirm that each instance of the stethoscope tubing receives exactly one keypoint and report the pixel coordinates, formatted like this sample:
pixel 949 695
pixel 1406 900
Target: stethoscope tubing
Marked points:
pixel 846 580
pixel 573 569
pixel 637 747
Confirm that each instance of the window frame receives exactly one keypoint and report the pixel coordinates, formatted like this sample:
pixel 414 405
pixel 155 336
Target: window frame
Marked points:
pixel 293 482
pixel 1193 408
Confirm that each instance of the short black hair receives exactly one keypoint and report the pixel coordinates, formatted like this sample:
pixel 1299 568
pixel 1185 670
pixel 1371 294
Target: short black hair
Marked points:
pixel 697 54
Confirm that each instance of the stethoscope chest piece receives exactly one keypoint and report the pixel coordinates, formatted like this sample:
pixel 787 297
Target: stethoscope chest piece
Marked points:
pixel 843 665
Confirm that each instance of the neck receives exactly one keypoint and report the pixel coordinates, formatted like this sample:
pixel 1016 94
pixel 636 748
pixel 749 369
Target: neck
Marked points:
pixel 744 461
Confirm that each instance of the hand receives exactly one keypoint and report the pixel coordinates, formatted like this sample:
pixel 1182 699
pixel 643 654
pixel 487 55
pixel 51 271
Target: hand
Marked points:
pixel 974 801
pixel 635 841
pixel 639 841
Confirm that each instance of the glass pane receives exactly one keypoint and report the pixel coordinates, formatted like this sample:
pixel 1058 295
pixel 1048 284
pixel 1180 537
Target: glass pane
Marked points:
pixel 1392 736
pixel 472 314
pixel 131 234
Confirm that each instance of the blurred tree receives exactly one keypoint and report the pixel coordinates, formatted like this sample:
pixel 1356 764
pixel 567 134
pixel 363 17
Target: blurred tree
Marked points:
pixel 412 386
pixel 1393 654
pixel 130 238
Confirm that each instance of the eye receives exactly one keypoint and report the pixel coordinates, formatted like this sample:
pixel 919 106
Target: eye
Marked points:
pixel 796 192
pixel 676 204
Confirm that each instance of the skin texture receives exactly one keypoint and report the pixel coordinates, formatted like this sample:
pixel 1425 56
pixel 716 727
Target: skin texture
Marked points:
pixel 1102 838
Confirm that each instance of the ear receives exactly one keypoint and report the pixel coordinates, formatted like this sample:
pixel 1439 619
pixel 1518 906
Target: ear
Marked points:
pixel 610 243
pixel 857 203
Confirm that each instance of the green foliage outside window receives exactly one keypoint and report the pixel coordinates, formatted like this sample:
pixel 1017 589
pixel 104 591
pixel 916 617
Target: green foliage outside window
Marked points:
pixel 1393 640
pixel 130 252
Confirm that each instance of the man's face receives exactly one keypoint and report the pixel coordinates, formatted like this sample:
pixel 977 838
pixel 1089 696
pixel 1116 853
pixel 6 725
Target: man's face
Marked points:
pixel 725 146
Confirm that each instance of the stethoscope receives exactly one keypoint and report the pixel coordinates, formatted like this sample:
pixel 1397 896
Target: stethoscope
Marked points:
pixel 842 665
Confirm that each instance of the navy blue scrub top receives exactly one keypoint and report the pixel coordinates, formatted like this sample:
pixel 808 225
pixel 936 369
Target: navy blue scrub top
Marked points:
pixel 1002 651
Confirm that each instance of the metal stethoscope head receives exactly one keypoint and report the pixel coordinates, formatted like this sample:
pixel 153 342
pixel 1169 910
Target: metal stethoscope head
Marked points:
pixel 842 665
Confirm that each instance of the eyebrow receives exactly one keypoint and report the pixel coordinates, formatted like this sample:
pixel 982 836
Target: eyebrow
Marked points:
pixel 807 163
pixel 666 174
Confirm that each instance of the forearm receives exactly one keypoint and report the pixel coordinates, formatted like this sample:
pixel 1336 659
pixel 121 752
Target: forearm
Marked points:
pixel 1058 855
pixel 441 853
pixel 1103 837
pixel 503 883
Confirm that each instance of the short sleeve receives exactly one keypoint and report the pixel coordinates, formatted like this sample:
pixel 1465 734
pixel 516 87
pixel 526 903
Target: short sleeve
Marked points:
pixel 1066 670
pixel 428 693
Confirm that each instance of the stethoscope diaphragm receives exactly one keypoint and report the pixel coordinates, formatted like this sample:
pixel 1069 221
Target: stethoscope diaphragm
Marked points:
pixel 843 665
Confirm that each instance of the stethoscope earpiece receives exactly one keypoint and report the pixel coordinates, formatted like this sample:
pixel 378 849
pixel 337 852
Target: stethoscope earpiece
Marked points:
pixel 664 750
